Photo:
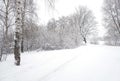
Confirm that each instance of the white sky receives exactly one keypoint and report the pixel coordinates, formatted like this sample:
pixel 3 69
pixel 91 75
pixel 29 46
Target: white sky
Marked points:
pixel 67 7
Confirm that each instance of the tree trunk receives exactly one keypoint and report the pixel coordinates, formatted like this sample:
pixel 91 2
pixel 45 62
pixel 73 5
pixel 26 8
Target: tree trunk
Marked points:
pixel 18 30
pixel 1 54
pixel 22 45
pixel 85 40
pixel 17 48
pixel 23 24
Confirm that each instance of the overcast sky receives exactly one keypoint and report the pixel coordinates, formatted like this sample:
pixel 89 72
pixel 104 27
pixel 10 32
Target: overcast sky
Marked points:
pixel 67 7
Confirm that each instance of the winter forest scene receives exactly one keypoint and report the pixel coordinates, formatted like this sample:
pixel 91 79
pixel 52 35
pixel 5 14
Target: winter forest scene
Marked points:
pixel 59 40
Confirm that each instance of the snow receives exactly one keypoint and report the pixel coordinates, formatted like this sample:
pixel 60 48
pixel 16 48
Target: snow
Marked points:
pixel 86 63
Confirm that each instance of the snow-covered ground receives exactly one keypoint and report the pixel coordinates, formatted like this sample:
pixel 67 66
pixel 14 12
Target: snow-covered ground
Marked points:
pixel 86 63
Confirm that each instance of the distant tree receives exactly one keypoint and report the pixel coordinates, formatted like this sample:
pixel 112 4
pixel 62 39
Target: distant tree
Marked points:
pixel 85 20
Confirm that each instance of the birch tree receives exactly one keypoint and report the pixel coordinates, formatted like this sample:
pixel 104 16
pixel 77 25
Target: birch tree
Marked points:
pixel 18 22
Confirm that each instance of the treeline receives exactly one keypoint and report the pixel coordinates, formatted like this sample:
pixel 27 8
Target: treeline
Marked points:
pixel 63 33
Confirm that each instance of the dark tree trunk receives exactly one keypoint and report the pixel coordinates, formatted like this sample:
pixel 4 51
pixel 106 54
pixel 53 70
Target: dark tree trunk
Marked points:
pixel 84 39
pixel 1 54
pixel 23 24
pixel 17 40
pixel 17 49
pixel 22 45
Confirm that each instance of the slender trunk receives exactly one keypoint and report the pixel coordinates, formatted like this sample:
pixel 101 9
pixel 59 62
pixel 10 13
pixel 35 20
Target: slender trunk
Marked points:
pixel 85 40
pixel 22 45
pixel 6 34
pixel 1 54
pixel 22 37
pixel 6 47
pixel 23 24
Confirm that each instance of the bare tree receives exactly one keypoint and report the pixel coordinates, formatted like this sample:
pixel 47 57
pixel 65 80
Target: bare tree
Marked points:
pixel 6 21
pixel 85 20
pixel 6 14
pixel 23 24
pixel 27 16
pixel 111 10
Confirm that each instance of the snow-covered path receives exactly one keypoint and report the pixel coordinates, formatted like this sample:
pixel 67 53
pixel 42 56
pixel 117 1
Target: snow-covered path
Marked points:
pixel 87 63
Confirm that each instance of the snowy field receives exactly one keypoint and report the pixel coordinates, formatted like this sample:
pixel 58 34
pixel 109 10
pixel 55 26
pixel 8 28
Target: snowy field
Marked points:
pixel 86 63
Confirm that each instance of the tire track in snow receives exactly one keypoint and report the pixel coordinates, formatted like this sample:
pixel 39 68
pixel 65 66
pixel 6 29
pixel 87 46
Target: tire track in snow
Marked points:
pixel 58 68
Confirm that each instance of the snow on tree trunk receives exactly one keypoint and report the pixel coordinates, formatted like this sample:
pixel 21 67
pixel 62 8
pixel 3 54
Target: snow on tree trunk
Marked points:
pixel 18 30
